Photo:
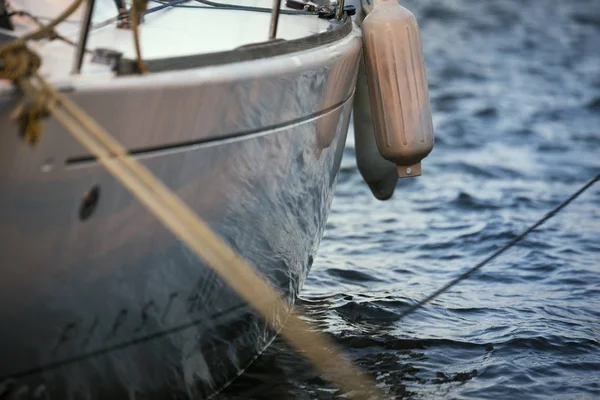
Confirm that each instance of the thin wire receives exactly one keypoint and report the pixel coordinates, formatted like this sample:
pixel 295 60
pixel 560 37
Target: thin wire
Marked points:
pixel 247 8
pixel 211 5
pixel 513 242
pixel 173 3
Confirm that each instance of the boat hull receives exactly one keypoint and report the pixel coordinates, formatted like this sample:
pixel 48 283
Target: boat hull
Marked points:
pixel 97 299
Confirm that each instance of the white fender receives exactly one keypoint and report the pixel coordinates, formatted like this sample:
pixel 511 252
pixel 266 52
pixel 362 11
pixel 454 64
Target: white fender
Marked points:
pixel 379 173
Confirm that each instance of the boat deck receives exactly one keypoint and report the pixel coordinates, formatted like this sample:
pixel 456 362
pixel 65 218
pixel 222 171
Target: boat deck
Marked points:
pixel 171 32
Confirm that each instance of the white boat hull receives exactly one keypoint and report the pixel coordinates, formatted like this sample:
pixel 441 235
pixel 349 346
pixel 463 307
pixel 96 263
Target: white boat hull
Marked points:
pixel 111 305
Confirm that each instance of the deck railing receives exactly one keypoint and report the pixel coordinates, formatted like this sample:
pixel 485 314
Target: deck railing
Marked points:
pixel 84 31
pixel 86 23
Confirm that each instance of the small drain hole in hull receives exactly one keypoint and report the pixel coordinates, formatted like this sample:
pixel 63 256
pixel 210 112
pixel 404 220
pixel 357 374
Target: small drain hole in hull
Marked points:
pixel 89 203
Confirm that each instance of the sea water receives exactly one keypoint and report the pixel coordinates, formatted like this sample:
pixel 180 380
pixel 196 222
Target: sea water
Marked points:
pixel 515 93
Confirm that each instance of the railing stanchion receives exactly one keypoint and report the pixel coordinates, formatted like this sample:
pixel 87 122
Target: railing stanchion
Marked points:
pixel 86 23
pixel 274 19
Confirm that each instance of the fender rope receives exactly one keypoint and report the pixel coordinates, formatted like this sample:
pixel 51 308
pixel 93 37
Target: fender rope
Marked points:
pixel 138 7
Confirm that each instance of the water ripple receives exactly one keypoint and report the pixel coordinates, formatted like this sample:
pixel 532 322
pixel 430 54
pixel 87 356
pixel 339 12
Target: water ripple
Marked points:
pixel 515 92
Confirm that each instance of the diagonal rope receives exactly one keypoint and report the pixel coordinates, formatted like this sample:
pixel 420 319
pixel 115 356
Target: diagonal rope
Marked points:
pixel 182 221
pixel 471 271
pixel 178 217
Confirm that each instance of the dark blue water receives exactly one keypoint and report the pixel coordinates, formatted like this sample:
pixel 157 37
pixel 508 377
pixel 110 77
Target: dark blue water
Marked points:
pixel 515 92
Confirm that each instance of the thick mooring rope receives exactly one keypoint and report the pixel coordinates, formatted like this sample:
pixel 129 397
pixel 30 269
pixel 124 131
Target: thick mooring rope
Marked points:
pixel 53 34
pixel 182 221
pixel 17 60
pixel 175 215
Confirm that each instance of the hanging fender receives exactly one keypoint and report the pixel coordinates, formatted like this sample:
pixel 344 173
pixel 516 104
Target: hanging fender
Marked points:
pixel 397 84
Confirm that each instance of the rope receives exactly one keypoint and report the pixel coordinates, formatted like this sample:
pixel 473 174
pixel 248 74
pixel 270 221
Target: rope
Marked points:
pixel 512 243
pixel 53 33
pixel 30 118
pixel 21 65
pixel 45 30
pixel 138 7
pixel 16 60
pixel 197 235
pixel 19 61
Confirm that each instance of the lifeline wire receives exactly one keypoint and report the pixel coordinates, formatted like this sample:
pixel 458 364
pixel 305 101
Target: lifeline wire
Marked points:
pixel 163 5
pixel 211 5
pixel 513 242
pixel 247 8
